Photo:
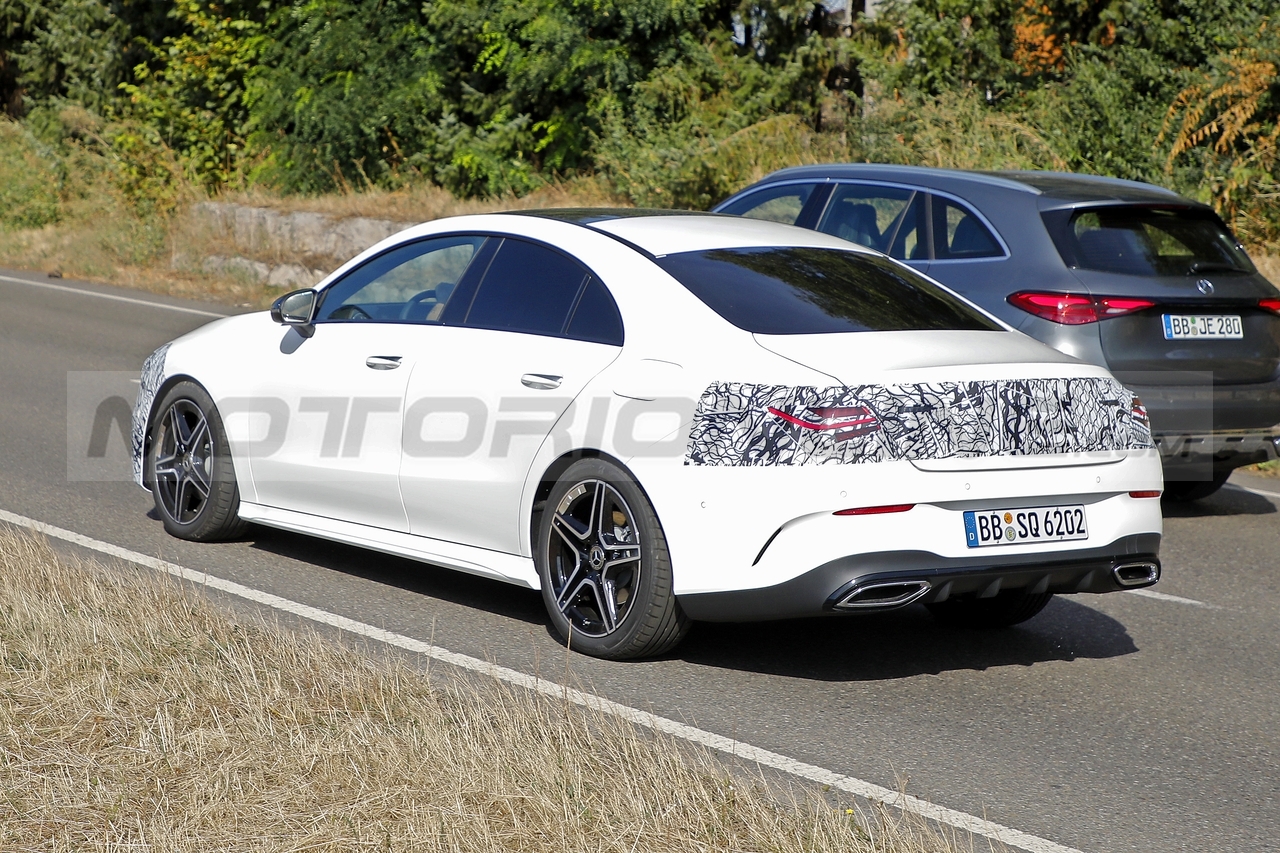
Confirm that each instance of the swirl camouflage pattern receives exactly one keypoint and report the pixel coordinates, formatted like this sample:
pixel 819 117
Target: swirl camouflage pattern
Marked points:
pixel 152 378
pixel 739 424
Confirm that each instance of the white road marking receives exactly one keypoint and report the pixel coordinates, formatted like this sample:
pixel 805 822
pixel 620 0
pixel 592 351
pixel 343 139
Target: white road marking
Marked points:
pixel 112 296
pixel 1175 599
pixel 819 775
pixel 1254 491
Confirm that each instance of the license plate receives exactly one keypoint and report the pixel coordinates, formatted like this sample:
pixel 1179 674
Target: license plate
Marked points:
pixel 1179 327
pixel 1024 525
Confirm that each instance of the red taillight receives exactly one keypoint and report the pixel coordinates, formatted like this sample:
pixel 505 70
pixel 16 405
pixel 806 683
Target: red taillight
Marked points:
pixel 1140 413
pixel 874 510
pixel 845 422
pixel 1071 309
pixel 1272 305
pixel 1147 494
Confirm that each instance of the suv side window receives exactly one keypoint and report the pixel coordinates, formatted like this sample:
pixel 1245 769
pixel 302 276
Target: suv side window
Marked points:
pixel 958 233
pixel 874 216
pixel 774 204
pixel 409 284
pixel 528 288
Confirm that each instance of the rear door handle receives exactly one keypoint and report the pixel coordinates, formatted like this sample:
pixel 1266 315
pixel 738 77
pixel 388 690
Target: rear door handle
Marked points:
pixel 541 381
pixel 383 362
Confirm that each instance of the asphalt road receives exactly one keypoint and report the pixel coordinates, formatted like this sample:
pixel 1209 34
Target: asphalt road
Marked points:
pixel 1107 723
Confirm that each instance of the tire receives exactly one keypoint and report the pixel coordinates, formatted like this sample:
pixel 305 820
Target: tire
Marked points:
pixel 189 468
pixel 603 563
pixel 999 611
pixel 1185 491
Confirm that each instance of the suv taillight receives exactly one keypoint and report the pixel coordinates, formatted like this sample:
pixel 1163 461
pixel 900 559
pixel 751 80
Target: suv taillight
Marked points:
pixel 1272 305
pixel 1072 309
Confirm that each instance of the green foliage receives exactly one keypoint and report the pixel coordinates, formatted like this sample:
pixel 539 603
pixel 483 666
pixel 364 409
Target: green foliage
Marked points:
pixel 29 180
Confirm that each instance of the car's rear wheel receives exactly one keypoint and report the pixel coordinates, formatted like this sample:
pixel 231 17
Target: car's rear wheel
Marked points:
pixel 189 468
pixel 604 567
pixel 999 611
pixel 1184 491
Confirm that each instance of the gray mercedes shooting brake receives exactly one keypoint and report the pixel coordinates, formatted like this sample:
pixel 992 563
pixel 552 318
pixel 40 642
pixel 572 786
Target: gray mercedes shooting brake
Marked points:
pixel 1123 274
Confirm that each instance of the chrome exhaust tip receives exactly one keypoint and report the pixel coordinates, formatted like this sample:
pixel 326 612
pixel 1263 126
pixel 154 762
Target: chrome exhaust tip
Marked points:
pixel 1140 573
pixel 882 595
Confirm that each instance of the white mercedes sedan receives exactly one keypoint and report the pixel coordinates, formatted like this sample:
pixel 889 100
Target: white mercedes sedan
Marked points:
pixel 655 418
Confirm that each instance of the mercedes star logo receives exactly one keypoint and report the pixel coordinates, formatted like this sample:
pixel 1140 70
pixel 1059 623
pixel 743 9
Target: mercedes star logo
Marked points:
pixel 1205 286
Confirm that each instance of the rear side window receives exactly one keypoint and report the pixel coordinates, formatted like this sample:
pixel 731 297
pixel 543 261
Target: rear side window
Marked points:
pixel 1145 241
pixel 959 234
pixel 801 291
pixel 870 216
pixel 528 288
pixel 774 204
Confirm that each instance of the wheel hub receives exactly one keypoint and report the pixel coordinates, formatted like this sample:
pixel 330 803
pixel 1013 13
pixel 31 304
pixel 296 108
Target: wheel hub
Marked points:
pixel 596 557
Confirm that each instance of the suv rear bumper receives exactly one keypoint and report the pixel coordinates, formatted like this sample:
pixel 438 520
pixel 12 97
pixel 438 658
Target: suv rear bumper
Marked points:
pixel 887 580
pixel 1203 408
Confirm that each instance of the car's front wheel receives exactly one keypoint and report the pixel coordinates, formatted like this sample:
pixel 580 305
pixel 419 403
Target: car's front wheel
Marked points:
pixel 189 469
pixel 999 611
pixel 604 567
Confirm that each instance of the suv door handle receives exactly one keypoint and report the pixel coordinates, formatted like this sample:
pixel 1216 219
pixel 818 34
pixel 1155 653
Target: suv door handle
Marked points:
pixel 541 381
pixel 383 362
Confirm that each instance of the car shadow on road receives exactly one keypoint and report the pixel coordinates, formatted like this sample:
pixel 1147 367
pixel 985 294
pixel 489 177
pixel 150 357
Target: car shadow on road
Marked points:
pixel 1229 500
pixel 471 591
pixel 904 643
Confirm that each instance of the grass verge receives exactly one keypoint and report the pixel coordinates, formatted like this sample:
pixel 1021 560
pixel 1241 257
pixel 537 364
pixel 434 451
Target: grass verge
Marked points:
pixel 135 715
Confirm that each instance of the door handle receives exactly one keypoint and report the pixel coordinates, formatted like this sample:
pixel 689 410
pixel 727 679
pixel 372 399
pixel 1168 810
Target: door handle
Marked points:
pixel 541 381
pixel 383 362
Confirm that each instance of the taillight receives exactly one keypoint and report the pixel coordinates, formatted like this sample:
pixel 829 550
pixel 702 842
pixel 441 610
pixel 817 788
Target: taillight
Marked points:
pixel 1272 305
pixel 844 422
pixel 1140 413
pixel 1071 309
pixel 874 510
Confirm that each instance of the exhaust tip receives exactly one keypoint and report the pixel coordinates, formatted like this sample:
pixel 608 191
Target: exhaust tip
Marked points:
pixel 1136 574
pixel 882 595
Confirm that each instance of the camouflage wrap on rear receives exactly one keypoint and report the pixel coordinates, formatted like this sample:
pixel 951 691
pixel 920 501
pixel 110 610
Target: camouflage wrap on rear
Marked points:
pixel 743 424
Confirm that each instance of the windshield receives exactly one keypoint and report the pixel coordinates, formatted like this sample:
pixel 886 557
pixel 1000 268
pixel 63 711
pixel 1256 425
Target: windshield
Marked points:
pixel 803 291
pixel 1147 241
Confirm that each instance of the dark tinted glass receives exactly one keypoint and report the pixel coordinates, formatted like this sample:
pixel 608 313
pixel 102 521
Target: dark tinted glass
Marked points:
pixel 799 291
pixel 1146 241
pixel 596 318
pixel 958 233
pixel 528 288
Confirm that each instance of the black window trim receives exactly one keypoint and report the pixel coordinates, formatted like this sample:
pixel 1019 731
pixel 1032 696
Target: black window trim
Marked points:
pixel 928 218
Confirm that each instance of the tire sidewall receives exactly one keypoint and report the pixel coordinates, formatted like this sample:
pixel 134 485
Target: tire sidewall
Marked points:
pixel 654 589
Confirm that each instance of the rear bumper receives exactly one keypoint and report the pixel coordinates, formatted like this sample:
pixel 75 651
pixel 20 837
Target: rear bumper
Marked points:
pixel 887 580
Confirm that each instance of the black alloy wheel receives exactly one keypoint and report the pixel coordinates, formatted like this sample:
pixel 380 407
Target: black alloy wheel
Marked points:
pixel 189 469
pixel 604 567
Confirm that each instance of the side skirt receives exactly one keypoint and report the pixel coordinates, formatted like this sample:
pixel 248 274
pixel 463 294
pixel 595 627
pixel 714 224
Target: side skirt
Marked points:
pixel 452 555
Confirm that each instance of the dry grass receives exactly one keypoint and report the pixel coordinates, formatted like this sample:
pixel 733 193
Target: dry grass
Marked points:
pixel 135 716
pixel 1268 265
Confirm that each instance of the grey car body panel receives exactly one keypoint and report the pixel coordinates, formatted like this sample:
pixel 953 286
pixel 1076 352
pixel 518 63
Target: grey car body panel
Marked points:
pixel 1246 376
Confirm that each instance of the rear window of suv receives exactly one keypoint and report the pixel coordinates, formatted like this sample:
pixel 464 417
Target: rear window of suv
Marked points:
pixel 803 291
pixel 1146 241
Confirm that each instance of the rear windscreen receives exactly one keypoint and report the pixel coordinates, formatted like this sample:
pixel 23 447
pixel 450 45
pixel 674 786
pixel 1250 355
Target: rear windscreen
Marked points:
pixel 1148 241
pixel 804 291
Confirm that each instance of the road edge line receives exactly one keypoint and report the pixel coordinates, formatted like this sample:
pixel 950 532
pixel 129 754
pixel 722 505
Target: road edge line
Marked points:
pixel 113 296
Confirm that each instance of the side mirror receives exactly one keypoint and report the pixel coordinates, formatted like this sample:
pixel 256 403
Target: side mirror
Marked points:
pixel 297 309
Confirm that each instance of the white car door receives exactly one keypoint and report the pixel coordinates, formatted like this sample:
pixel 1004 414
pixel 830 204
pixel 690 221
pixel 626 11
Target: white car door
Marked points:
pixel 515 351
pixel 343 388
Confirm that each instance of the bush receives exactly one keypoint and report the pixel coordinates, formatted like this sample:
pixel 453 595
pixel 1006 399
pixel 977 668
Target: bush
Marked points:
pixel 29 180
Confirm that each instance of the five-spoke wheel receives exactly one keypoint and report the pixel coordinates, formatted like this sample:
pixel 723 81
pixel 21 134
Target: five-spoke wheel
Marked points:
pixel 602 558
pixel 189 468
